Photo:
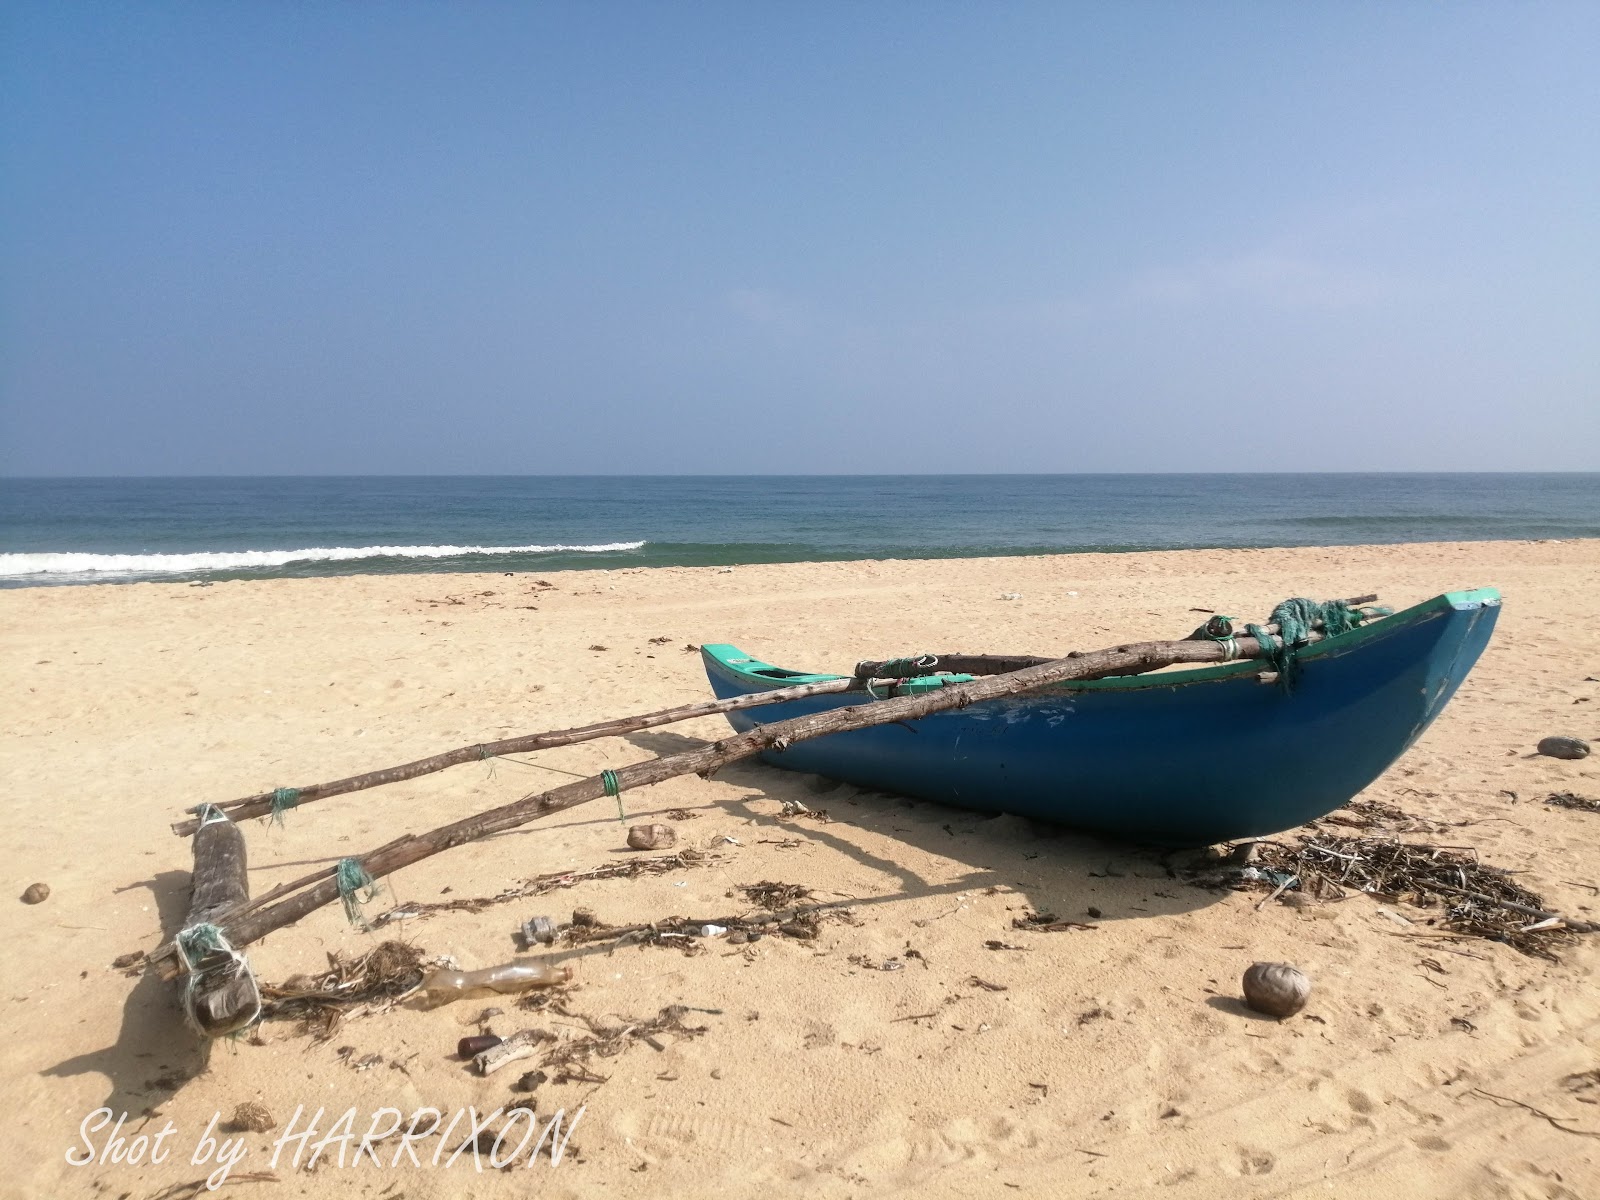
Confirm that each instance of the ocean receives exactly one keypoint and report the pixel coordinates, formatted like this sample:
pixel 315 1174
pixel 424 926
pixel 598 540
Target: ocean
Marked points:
pixel 61 531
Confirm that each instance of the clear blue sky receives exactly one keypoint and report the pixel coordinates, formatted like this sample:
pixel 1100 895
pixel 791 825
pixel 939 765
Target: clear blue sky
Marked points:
pixel 285 238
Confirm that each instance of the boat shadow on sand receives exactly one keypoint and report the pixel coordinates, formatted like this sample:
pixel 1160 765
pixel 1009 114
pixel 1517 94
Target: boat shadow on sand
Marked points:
pixel 1048 868
pixel 1052 868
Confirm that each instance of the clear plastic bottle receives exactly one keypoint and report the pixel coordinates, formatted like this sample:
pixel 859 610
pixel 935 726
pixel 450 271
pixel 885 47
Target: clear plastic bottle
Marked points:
pixel 441 987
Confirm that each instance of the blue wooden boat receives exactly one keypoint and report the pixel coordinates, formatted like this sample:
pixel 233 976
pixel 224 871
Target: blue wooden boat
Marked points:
pixel 1178 757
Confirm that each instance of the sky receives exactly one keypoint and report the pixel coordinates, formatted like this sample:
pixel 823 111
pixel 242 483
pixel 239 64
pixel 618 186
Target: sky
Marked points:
pixel 867 237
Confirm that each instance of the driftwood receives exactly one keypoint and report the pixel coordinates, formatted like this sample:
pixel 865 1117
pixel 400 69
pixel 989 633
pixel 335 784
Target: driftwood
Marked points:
pixel 260 805
pixel 224 995
pixel 306 895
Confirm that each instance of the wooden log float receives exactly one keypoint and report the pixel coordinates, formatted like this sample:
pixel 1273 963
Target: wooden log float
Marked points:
pixel 253 921
pixel 221 994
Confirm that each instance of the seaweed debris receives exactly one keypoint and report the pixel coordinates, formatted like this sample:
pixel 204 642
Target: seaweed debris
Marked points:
pixel 370 982
pixel 1473 899
pixel 773 896
pixel 568 1059
pixel 629 868
pixel 1573 800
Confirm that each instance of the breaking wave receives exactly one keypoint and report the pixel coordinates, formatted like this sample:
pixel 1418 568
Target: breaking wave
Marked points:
pixel 13 565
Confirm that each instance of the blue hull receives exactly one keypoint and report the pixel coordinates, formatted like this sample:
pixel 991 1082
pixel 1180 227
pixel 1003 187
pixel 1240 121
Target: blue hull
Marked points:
pixel 1183 758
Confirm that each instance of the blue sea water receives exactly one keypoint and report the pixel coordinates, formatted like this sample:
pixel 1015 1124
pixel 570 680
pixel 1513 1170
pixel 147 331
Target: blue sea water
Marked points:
pixel 124 530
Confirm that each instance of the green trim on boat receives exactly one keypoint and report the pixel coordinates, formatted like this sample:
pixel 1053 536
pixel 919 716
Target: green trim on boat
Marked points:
pixel 765 675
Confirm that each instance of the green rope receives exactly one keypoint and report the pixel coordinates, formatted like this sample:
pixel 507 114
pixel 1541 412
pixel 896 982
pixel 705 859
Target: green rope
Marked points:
pixel 608 780
pixel 907 668
pixel 196 944
pixel 1224 635
pixel 356 888
pixel 198 941
pixel 283 799
pixel 1296 619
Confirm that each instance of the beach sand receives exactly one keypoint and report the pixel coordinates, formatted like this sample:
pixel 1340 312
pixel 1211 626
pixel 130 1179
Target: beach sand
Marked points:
pixel 1114 1060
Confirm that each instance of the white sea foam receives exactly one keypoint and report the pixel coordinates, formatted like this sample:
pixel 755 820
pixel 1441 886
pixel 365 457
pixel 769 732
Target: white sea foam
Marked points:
pixel 232 560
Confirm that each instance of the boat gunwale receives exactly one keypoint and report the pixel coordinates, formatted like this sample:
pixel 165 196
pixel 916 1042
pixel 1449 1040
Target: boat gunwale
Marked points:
pixel 731 660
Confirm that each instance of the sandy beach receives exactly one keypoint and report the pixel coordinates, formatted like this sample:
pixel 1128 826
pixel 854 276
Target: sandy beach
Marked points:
pixel 1111 1060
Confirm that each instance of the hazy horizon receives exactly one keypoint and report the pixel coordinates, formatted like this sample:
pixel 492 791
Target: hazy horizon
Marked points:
pixel 485 239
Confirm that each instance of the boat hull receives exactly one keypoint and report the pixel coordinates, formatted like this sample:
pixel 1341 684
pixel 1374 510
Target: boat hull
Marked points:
pixel 1180 758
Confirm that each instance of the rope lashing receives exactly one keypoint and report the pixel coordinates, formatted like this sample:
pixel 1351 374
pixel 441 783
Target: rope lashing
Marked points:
pixel 1297 620
pixel 898 668
pixel 283 799
pixel 198 944
pixel 608 780
pixel 210 814
pixel 1220 630
pixel 356 888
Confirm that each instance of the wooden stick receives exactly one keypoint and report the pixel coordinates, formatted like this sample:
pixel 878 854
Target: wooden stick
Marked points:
pixel 253 921
pixel 1574 925
pixel 258 805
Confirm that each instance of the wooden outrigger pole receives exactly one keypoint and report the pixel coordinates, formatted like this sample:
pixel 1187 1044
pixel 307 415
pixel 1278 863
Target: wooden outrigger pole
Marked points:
pixel 287 903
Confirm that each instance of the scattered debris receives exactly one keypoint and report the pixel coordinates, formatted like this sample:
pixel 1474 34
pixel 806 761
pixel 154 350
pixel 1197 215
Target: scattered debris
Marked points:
pixel 538 931
pixel 1477 900
pixel 1277 989
pixel 773 896
pixel 489 1059
pixel 475 1044
pixel 1572 800
pixel 250 1117
pixel 1564 747
pixel 36 893
pixel 371 982
pixel 540 884
pixel 1046 923
pixel 795 808
pixel 682 814
pixel 569 1057
pixel 446 985
pixel 529 1081
pixel 652 837
pixel 201 1187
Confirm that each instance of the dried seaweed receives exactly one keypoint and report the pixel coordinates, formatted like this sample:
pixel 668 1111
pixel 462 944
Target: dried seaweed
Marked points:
pixel 629 868
pixel 1473 898
pixel 375 980
pixel 1573 800
pixel 773 896
pixel 1376 814
pixel 688 933
pixel 1036 922
pixel 568 1059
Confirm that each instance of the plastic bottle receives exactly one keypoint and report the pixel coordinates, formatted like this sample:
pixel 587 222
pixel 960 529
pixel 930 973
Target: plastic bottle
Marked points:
pixel 441 987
